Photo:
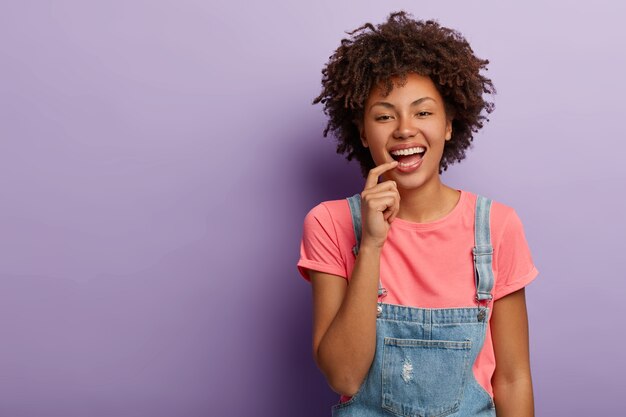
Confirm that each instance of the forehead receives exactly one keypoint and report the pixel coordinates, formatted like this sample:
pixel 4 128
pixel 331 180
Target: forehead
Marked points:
pixel 415 86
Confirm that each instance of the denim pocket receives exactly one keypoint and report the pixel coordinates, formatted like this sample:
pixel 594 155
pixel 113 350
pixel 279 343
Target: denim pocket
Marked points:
pixel 424 377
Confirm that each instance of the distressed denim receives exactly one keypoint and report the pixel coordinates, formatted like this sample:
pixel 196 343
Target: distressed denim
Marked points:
pixel 424 356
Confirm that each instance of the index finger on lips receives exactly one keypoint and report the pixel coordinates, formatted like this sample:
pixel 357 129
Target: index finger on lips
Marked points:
pixel 372 178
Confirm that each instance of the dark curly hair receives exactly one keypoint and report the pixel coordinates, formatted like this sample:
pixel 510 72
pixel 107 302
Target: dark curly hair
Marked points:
pixel 401 45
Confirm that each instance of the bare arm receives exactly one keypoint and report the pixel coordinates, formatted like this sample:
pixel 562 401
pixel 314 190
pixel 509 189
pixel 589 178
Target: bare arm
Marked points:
pixel 344 316
pixel 344 322
pixel 512 384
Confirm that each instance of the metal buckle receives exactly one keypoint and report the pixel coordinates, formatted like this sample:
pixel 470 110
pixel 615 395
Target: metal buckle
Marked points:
pixel 382 293
pixel 482 313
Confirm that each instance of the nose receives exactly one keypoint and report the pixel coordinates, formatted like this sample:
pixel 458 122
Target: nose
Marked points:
pixel 405 128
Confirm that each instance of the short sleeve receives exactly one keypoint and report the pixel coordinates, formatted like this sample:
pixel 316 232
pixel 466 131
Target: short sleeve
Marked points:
pixel 319 248
pixel 515 267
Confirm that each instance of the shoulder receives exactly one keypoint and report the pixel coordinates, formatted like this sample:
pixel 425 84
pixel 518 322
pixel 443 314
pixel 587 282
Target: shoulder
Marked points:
pixel 507 233
pixel 504 220
pixel 501 214
pixel 513 264
pixel 330 215
pixel 330 211
pixel 325 244
pixel 503 217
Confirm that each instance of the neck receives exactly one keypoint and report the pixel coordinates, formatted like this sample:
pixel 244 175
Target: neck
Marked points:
pixel 427 203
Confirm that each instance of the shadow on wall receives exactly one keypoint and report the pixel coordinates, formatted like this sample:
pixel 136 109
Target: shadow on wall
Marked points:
pixel 318 174
pixel 327 174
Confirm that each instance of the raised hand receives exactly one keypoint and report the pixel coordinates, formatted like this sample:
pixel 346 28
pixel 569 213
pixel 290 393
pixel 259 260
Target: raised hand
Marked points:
pixel 380 203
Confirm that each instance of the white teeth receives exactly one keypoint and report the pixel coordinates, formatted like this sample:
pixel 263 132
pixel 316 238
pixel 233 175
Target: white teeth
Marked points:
pixel 409 151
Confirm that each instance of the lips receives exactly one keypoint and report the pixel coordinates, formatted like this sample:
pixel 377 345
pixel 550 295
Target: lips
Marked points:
pixel 410 164
pixel 407 158
pixel 406 146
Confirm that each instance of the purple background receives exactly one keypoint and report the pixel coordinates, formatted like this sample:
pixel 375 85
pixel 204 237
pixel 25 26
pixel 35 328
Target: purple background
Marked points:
pixel 157 159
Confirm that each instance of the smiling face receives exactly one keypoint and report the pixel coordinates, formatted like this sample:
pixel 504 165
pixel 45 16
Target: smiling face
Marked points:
pixel 412 116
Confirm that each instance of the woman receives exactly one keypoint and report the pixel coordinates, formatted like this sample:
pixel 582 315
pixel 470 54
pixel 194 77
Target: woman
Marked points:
pixel 418 287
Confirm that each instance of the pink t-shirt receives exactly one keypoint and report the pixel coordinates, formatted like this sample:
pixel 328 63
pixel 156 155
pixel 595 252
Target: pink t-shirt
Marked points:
pixel 428 265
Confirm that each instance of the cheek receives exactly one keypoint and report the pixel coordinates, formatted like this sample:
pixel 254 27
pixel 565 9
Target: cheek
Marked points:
pixel 373 131
pixel 378 153
pixel 437 136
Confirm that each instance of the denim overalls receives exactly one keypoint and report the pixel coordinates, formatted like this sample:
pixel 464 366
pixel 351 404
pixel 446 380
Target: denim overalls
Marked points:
pixel 424 356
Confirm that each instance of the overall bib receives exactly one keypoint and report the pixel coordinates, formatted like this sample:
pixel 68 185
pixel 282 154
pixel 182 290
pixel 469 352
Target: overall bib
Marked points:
pixel 424 356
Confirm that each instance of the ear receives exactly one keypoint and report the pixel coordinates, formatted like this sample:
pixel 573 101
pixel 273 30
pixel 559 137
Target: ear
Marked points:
pixel 364 140
pixel 448 129
pixel 359 126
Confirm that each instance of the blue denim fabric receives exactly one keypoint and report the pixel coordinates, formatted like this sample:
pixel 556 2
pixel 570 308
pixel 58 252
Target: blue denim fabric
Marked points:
pixel 424 356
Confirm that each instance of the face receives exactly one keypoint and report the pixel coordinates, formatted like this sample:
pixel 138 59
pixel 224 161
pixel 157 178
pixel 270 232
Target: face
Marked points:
pixel 411 116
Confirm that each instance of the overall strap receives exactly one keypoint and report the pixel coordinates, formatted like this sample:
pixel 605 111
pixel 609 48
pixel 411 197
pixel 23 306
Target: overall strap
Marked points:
pixel 355 211
pixel 483 251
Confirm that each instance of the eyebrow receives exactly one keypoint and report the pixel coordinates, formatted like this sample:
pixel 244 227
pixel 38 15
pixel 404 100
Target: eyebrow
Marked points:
pixel 391 106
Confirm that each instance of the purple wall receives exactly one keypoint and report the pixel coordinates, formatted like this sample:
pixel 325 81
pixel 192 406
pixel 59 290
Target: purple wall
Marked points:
pixel 157 159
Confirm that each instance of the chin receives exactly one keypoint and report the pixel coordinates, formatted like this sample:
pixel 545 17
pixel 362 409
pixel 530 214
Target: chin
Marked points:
pixel 414 181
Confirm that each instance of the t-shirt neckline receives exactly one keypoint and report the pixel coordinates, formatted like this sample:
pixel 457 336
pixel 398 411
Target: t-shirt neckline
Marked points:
pixel 405 224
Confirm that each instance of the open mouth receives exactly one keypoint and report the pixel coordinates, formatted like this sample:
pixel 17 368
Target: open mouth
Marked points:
pixel 408 155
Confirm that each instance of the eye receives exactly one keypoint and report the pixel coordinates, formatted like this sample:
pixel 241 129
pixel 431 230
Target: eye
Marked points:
pixel 383 117
pixel 424 113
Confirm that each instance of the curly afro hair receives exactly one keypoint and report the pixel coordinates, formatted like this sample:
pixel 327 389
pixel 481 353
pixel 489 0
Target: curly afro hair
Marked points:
pixel 376 54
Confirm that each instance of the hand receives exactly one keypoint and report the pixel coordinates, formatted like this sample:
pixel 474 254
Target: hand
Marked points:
pixel 380 203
